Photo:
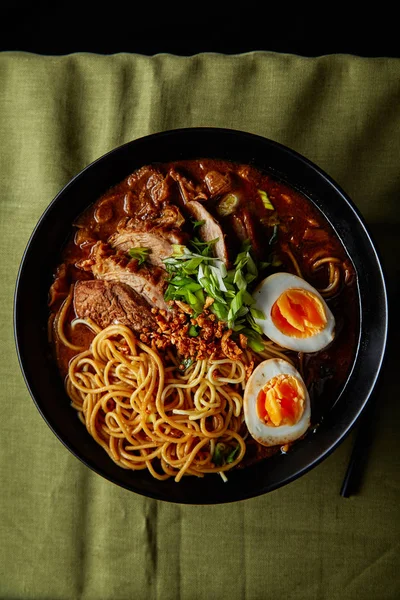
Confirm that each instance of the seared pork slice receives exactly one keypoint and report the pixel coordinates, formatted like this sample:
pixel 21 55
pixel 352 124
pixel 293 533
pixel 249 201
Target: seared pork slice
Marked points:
pixel 156 240
pixel 149 282
pixel 106 303
pixel 210 230
pixel 245 226
pixel 173 235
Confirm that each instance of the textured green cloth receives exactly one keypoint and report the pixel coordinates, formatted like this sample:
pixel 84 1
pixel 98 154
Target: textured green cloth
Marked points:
pixel 64 531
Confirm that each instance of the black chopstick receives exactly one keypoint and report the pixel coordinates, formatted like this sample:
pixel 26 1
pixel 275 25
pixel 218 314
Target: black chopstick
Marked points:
pixel 362 445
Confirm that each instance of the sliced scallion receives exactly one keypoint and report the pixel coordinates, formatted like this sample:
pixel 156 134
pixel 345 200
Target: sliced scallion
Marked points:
pixel 195 274
pixel 193 331
pixel 227 205
pixel 140 254
pixel 265 200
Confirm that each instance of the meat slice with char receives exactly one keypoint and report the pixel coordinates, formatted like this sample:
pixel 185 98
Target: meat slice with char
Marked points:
pixel 246 227
pixel 106 303
pixel 192 197
pixel 159 241
pixel 210 230
pixel 113 266
pixel 159 246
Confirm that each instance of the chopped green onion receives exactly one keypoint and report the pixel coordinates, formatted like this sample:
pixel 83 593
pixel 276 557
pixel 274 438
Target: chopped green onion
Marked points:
pixel 140 254
pixel 200 296
pixel 204 248
pixel 227 205
pixel 265 200
pixel 218 456
pixel 191 297
pixel 238 326
pixel 195 274
pixel 255 345
pixel 187 362
pixel 190 267
pixel 251 266
pixel 240 280
pixel 219 310
pixel 243 310
pixel 254 340
pixel 224 454
pixel 236 304
pixel 180 281
pixel 193 287
pixel 219 278
pixel 230 294
pixel 178 250
pixel 232 455
pixel 248 298
pixel 257 314
pixel 198 224
pixel 249 277
pixel 180 292
pixel 255 326
pixel 230 276
pixel 193 331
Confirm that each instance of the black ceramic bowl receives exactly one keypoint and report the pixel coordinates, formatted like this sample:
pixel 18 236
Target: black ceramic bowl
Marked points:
pixel 43 253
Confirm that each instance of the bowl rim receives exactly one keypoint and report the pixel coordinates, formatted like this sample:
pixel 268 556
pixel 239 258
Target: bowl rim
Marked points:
pixel 154 137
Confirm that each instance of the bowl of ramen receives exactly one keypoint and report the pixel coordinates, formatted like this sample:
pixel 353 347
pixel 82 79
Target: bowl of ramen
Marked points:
pixel 194 317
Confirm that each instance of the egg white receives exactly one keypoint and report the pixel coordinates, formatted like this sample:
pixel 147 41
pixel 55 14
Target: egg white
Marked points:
pixel 265 296
pixel 258 429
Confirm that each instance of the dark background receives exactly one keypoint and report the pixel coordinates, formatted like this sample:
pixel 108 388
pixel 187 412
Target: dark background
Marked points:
pixel 145 28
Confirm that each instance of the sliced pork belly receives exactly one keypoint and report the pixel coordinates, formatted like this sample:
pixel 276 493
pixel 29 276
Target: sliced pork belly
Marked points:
pixel 159 246
pixel 193 198
pixel 106 303
pixel 246 227
pixel 211 229
pixel 157 239
pixel 149 282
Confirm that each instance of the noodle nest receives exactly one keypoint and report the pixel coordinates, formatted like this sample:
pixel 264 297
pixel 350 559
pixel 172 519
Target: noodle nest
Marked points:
pixel 147 414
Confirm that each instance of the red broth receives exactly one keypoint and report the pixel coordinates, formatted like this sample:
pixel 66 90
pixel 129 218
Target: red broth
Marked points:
pixel 293 235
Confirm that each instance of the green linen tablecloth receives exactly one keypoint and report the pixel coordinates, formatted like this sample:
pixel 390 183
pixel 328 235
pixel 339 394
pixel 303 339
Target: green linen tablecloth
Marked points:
pixel 64 531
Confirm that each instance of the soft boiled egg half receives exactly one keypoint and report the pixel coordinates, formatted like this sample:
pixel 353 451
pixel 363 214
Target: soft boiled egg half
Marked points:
pixel 296 315
pixel 276 403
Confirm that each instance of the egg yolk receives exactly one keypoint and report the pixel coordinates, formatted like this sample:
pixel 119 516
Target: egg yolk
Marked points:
pixel 281 401
pixel 299 313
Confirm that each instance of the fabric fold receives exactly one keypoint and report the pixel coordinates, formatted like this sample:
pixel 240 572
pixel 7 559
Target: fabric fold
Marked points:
pixel 65 531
